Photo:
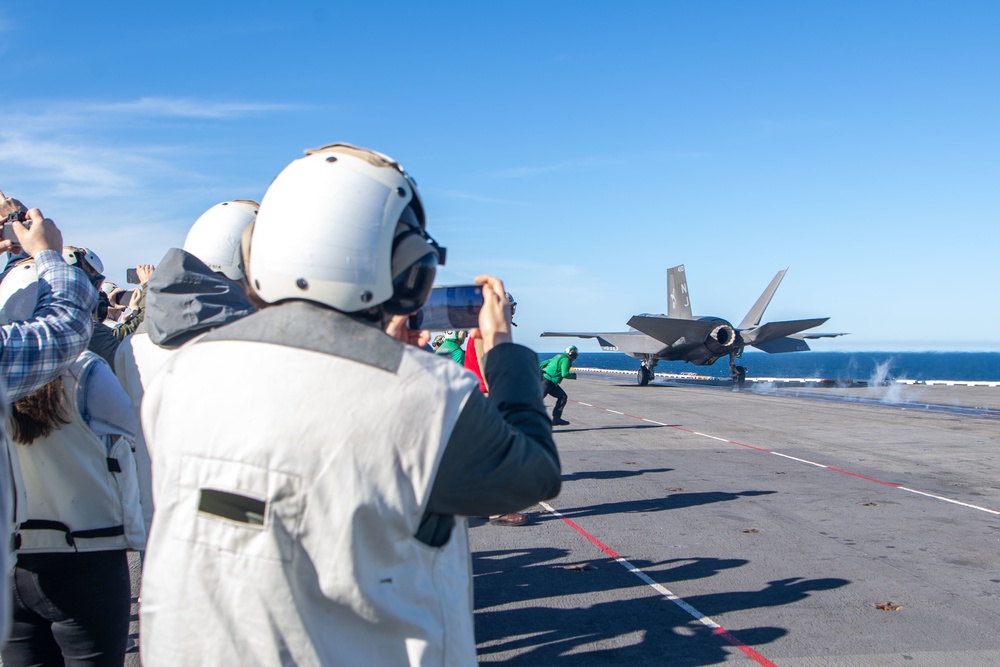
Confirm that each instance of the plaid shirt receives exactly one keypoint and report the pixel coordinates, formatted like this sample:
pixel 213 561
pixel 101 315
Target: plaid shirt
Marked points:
pixel 33 353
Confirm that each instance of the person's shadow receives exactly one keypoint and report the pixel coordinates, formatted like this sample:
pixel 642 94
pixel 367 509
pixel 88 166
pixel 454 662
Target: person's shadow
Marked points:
pixel 671 502
pixel 532 610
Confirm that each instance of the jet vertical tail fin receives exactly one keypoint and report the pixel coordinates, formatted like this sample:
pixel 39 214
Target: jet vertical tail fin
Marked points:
pixel 678 299
pixel 753 318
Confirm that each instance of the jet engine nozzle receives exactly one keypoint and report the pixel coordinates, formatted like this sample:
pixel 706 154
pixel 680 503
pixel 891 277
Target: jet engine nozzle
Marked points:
pixel 721 339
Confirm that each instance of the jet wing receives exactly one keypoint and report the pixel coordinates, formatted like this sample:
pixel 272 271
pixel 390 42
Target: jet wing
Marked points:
pixel 811 336
pixel 623 341
pixel 669 330
pixel 775 330
pixel 786 344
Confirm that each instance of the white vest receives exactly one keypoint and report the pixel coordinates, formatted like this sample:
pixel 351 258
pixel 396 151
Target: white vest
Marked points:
pixel 137 360
pixel 289 485
pixel 80 495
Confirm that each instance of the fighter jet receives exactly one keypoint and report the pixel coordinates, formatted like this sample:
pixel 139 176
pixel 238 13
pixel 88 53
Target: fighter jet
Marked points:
pixel 680 336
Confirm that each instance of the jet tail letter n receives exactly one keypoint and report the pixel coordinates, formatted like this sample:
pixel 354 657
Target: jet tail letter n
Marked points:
pixel 678 299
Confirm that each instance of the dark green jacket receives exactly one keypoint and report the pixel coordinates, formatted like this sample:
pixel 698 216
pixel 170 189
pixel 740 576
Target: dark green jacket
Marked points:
pixel 556 369
pixel 451 346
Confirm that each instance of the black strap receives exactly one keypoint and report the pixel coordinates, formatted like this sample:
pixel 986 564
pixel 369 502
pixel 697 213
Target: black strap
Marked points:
pixel 114 466
pixel 47 524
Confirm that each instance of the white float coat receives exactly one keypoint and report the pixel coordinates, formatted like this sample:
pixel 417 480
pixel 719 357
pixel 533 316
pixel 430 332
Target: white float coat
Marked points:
pixel 337 459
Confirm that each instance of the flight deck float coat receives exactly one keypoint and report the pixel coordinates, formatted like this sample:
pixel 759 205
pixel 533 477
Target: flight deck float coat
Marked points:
pixel 556 369
pixel 99 510
pixel 184 299
pixel 288 511
pixel 451 346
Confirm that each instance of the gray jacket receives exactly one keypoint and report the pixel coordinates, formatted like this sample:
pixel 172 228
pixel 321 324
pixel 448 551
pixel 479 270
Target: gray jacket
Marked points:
pixel 185 298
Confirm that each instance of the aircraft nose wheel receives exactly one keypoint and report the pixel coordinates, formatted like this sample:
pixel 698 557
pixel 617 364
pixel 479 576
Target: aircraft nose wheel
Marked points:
pixel 644 376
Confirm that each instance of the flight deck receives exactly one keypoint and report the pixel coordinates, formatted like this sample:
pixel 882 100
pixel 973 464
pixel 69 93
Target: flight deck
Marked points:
pixel 701 526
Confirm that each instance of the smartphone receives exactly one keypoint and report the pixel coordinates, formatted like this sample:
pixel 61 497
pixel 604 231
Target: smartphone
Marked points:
pixel 450 307
pixel 123 297
pixel 131 277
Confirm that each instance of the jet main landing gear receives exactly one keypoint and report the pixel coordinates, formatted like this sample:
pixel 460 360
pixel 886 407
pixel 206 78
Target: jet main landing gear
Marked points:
pixel 737 373
pixel 646 372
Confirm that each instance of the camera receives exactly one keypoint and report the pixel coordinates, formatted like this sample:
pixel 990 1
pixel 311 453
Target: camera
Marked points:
pixel 7 233
pixel 449 307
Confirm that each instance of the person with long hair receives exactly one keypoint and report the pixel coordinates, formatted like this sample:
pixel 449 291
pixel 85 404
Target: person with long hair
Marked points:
pixel 73 439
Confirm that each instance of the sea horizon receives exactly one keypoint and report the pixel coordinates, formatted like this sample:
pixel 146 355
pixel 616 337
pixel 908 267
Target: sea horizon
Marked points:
pixel 853 365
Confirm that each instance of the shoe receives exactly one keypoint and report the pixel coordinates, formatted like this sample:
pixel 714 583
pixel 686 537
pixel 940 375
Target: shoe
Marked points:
pixel 560 422
pixel 512 519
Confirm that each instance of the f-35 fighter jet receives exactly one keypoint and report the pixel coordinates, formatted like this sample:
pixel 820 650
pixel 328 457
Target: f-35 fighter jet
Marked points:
pixel 680 336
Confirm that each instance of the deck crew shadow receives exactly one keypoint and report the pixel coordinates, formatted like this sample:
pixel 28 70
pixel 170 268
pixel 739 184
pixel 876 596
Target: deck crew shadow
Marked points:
pixel 611 428
pixel 674 501
pixel 610 474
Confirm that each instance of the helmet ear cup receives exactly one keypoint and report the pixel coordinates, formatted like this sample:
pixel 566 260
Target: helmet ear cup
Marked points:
pixel 413 266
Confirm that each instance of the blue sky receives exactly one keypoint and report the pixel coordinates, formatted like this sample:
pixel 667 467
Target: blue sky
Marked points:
pixel 575 149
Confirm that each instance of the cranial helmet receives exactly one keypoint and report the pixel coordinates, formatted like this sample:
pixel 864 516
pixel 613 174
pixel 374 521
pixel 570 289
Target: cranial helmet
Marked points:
pixel 214 238
pixel 344 227
pixel 572 351
pixel 86 260
pixel 513 306
pixel 19 292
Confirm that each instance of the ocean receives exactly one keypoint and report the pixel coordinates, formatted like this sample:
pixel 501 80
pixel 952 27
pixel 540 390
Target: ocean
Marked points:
pixel 870 366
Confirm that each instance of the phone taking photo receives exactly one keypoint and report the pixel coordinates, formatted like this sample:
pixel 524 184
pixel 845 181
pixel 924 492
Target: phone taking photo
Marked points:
pixel 123 297
pixel 131 277
pixel 450 307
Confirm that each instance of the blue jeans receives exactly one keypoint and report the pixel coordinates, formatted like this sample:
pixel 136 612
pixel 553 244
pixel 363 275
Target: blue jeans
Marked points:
pixel 69 609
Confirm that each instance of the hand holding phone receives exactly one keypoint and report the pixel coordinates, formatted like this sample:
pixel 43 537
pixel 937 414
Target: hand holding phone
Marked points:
pixel 7 233
pixel 131 276
pixel 121 297
pixel 494 320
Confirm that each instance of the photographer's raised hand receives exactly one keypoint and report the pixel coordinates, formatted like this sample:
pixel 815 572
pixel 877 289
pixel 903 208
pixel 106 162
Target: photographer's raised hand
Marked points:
pixel 42 234
pixel 397 329
pixel 144 271
pixel 494 318
pixel 10 205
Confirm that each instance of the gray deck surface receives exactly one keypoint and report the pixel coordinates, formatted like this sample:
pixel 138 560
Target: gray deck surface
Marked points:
pixel 694 488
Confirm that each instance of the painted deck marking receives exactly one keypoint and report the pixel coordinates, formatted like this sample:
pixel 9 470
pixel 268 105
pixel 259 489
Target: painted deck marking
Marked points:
pixel 793 458
pixel 665 592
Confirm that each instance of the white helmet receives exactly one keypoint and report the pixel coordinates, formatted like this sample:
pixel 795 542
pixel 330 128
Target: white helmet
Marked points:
pixel 214 238
pixel 344 227
pixel 513 307
pixel 86 260
pixel 19 292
